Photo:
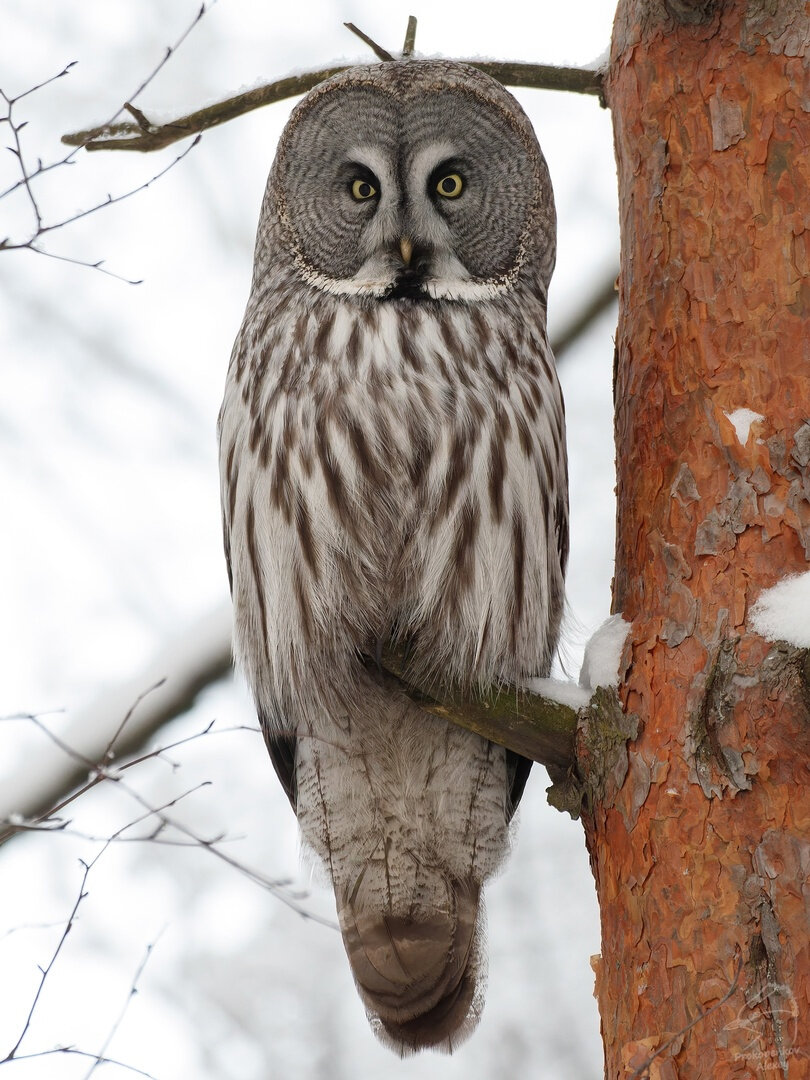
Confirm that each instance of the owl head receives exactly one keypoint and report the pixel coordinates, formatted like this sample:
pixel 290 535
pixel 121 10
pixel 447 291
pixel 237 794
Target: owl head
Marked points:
pixel 410 180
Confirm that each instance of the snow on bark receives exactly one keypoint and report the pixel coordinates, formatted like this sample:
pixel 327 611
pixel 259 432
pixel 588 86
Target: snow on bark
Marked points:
pixel 603 654
pixel 742 419
pixel 564 693
pixel 782 613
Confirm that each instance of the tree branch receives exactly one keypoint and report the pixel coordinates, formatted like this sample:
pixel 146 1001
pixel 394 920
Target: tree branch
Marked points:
pixel 534 726
pixel 132 136
pixel 378 50
pixel 600 300
pixel 45 971
pixel 189 664
pixel 410 38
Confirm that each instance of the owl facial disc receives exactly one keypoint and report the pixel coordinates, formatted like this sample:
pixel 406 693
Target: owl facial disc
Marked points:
pixel 392 183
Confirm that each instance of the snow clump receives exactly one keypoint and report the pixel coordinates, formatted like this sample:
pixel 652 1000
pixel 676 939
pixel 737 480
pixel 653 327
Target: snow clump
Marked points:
pixel 782 613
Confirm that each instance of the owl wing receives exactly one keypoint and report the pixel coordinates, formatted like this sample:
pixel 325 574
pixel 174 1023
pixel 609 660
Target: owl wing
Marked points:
pixel 282 750
pixel 518 768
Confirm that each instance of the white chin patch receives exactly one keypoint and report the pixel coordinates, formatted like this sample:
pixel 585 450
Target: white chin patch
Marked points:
pixel 347 286
pixel 459 289
pixel 467 290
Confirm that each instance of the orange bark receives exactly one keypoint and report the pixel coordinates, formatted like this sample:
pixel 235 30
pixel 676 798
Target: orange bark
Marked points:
pixel 702 852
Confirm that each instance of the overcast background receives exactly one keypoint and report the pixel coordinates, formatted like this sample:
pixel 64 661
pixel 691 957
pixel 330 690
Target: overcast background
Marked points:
pixel 110 548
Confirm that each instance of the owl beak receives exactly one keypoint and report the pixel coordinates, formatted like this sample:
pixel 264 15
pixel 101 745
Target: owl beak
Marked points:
pixel 406 250
pixel 409 278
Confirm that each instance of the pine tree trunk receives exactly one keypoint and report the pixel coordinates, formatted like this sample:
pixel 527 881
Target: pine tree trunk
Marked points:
pixel 701 851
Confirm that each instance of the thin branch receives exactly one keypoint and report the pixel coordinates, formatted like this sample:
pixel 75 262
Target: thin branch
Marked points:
pixel 289 898
pixel 18 153
pixel 101 1057
pixel 130 136
pixel 29 176
pixel 72 1050
pixel 39 170
pixel 97 265
pixel 102 771
pixel 40 85
pixel 378 50
pixel 44 972
pixel 170 51
pixel 111 200
pixel 98 772
pixel 410 38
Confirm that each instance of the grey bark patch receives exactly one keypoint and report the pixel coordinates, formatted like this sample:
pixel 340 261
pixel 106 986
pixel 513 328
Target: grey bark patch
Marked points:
pixel 801 446
pixel 684 488
pixel 692 12
pixel 727 121
pixel 683 615
pixel 715 764
pixel 713 536
pixel 638 783
pixel 760 481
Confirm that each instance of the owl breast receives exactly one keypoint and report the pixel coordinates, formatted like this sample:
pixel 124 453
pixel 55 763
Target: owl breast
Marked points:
pixel 404 476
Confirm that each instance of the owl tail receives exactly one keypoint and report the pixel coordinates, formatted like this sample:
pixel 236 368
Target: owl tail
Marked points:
pixel 418 974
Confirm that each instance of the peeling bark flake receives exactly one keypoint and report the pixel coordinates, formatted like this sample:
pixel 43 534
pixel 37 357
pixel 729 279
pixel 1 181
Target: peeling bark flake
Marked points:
pixel 727 121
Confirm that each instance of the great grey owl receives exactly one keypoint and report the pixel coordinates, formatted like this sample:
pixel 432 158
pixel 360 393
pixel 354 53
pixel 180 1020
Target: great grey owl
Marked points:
pixel 394 470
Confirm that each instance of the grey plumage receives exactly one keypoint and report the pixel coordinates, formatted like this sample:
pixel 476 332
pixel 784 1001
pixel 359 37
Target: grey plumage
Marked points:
pixel 393 468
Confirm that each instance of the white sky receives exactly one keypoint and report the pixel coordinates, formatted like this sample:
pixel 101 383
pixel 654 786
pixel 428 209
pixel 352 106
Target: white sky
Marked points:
pixel 111 546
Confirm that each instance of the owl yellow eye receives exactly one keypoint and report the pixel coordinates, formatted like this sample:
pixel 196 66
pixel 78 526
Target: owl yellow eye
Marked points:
pixel 362 189
pixel 450 186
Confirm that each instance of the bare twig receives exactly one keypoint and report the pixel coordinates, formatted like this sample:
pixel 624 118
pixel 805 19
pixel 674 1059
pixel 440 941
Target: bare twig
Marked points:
pixel 41 229
pixel 44 972
pixel 98 772
pixel 169 53
pixel 103 771
pixel 279 890
pixel 378 50
pixel 28 176
pixel 410 38
pixel 74 1052
pixel 101 1057
pixel 130 136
